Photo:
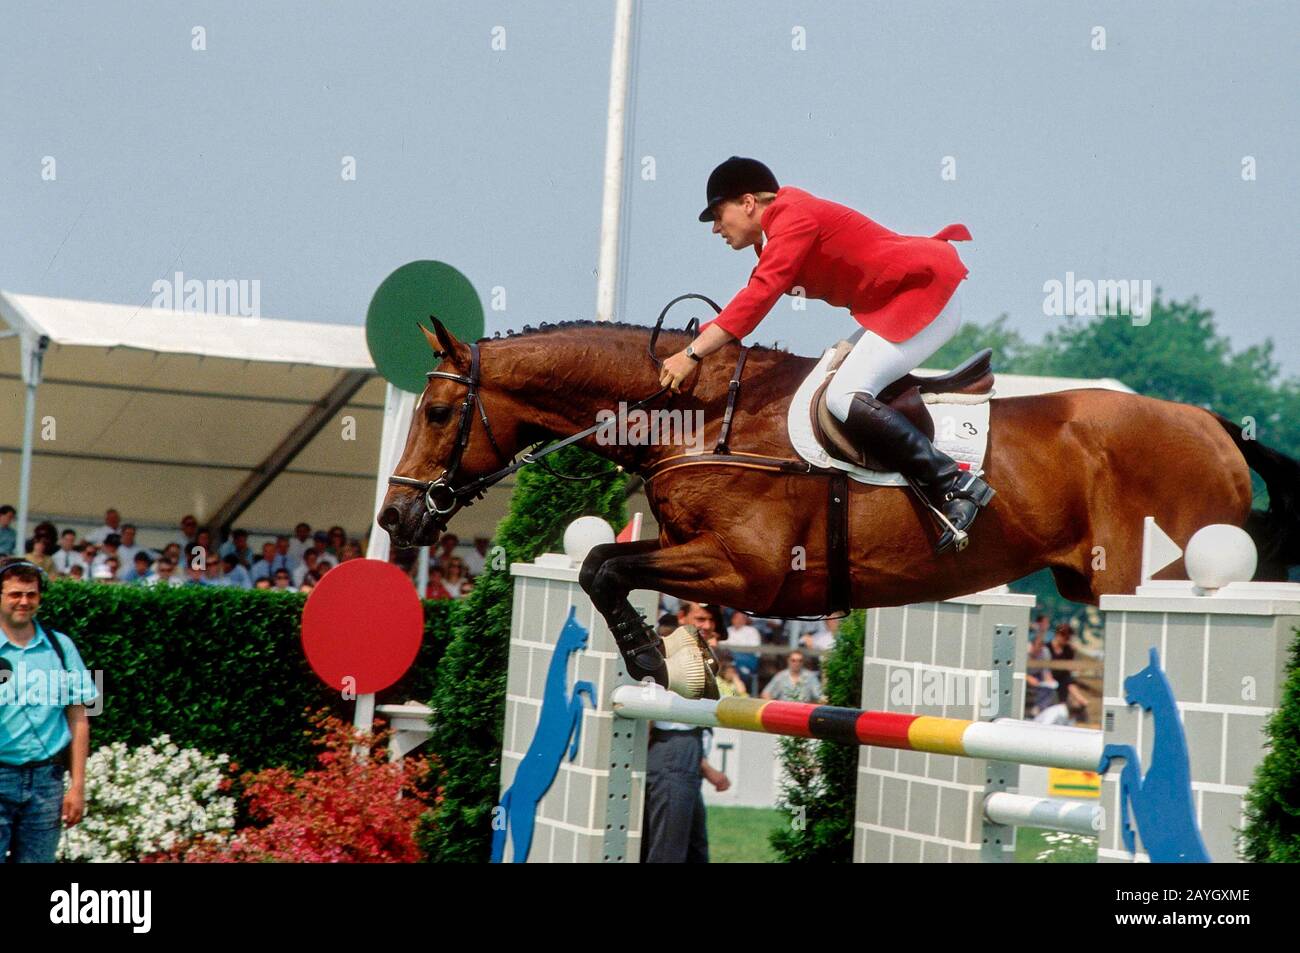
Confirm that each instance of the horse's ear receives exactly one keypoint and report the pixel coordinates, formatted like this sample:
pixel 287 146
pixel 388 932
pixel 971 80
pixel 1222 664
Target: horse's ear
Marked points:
pixel 431 338
pixel 443 342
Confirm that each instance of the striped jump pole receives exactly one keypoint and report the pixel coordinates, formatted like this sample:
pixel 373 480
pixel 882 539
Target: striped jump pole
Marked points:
pixel 1005 739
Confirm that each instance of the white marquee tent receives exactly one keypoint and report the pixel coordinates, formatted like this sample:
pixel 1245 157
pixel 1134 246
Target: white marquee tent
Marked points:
pixel 162 413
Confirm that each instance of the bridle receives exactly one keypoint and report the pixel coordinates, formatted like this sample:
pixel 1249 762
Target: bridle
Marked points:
pixel 442 497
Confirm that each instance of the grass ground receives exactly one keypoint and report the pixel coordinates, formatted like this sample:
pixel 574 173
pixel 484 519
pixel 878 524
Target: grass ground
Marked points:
pixel 739 835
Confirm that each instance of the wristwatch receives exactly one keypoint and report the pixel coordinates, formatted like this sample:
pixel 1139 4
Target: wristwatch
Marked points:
pixel 690 352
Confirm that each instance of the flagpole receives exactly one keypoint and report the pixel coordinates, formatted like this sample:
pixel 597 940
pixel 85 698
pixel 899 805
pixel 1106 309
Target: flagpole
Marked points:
pixel 611 201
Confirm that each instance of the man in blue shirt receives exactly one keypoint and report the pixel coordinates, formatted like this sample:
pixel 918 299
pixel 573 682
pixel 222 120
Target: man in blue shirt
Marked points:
pixel 140 568
pixel 44 731
pixel 237 546
pixel 233 573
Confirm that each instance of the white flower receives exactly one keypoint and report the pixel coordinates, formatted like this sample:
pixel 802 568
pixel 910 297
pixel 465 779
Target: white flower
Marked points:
pixel 146 800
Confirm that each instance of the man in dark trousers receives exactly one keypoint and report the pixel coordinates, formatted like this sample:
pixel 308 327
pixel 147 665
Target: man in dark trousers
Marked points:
pixel 674 830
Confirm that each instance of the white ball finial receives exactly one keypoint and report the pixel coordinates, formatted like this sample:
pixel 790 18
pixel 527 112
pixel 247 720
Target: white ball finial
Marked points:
pixel 1219 554
pixel 584 534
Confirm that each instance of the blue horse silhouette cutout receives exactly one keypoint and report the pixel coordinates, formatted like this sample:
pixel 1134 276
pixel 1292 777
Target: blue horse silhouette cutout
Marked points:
pixel 1161 800
pixel 559 726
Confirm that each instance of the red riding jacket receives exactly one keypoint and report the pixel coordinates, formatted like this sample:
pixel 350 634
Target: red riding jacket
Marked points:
pixel 893 284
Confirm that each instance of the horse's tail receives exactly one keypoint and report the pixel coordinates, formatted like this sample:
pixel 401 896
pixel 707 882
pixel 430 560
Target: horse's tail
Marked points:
pixel 1276 530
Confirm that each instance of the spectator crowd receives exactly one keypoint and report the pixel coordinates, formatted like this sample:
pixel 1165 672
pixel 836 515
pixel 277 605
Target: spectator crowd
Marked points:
pixel 1054 696
pixel 111 553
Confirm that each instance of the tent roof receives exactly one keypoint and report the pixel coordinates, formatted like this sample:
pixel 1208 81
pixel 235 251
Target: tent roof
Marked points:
pixel 96 324
pixel 161 413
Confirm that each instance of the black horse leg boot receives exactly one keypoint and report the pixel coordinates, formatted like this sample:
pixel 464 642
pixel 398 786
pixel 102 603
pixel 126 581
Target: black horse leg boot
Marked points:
pixel 682 662
pixel 639 645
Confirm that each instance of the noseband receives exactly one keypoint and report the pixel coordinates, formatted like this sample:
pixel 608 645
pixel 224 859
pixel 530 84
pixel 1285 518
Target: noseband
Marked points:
pixel 442 497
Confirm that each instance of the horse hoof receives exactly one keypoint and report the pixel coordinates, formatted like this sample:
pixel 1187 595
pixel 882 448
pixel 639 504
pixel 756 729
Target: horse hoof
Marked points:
pixel 691 664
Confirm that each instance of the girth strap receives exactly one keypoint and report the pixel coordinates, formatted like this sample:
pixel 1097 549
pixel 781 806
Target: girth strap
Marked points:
pixel 839 592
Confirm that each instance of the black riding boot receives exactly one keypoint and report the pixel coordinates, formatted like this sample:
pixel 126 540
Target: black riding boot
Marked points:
pixel 896 442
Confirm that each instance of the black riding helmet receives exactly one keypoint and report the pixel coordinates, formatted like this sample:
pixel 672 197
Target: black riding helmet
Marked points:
pixel 734 178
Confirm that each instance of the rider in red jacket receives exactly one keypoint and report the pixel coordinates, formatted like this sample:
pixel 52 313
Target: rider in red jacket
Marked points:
pixel 900 288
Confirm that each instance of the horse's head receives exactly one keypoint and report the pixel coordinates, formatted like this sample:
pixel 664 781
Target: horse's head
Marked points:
pixel 481 407
pixel 464 427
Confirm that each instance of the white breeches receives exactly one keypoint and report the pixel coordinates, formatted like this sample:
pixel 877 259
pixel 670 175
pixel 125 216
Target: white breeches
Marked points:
pixel 875 363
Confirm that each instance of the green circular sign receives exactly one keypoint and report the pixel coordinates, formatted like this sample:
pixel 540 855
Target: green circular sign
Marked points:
pixel 408 297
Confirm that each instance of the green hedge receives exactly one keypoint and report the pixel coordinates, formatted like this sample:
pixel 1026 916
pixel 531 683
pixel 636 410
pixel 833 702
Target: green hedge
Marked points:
pixel 221 670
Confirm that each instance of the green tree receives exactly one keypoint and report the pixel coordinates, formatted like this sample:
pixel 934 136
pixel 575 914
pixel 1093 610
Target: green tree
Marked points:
pixel 1010 350
pixel 1272 832
pixel 1176 353
pixel 1180 355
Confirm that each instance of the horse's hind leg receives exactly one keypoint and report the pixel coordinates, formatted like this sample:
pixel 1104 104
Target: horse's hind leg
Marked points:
pixel 1104 555
pixel 1172 462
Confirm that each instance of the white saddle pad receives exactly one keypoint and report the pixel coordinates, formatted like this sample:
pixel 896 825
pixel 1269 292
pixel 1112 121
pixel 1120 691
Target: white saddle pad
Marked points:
pixel 961 429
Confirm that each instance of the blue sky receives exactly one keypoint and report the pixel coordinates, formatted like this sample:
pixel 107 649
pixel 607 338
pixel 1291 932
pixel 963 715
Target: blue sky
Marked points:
pixel 225 163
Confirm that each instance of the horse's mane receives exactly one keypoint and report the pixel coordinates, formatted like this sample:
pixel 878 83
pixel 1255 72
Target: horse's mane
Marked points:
pixel 677 336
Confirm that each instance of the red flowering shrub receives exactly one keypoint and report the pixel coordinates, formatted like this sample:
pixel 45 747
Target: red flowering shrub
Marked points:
pixel 352 809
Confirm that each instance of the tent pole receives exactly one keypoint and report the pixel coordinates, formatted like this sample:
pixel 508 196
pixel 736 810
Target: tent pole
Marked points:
pixel 33 362
pixel 422 582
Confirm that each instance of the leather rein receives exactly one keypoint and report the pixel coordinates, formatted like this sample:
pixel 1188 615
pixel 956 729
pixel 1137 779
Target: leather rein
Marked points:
pixel 442 497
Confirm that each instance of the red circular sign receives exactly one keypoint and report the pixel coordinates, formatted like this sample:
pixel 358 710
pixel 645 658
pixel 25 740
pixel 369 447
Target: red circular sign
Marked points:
pixel 362 626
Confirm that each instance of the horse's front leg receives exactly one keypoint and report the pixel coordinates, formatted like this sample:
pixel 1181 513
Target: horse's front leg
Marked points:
pixel 636 640
pixel 610 572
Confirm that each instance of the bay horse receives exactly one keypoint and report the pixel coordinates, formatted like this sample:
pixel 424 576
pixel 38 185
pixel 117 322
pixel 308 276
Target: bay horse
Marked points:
pixel 1075 473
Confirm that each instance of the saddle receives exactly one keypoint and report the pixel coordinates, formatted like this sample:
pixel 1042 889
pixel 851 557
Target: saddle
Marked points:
pixel 906 395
